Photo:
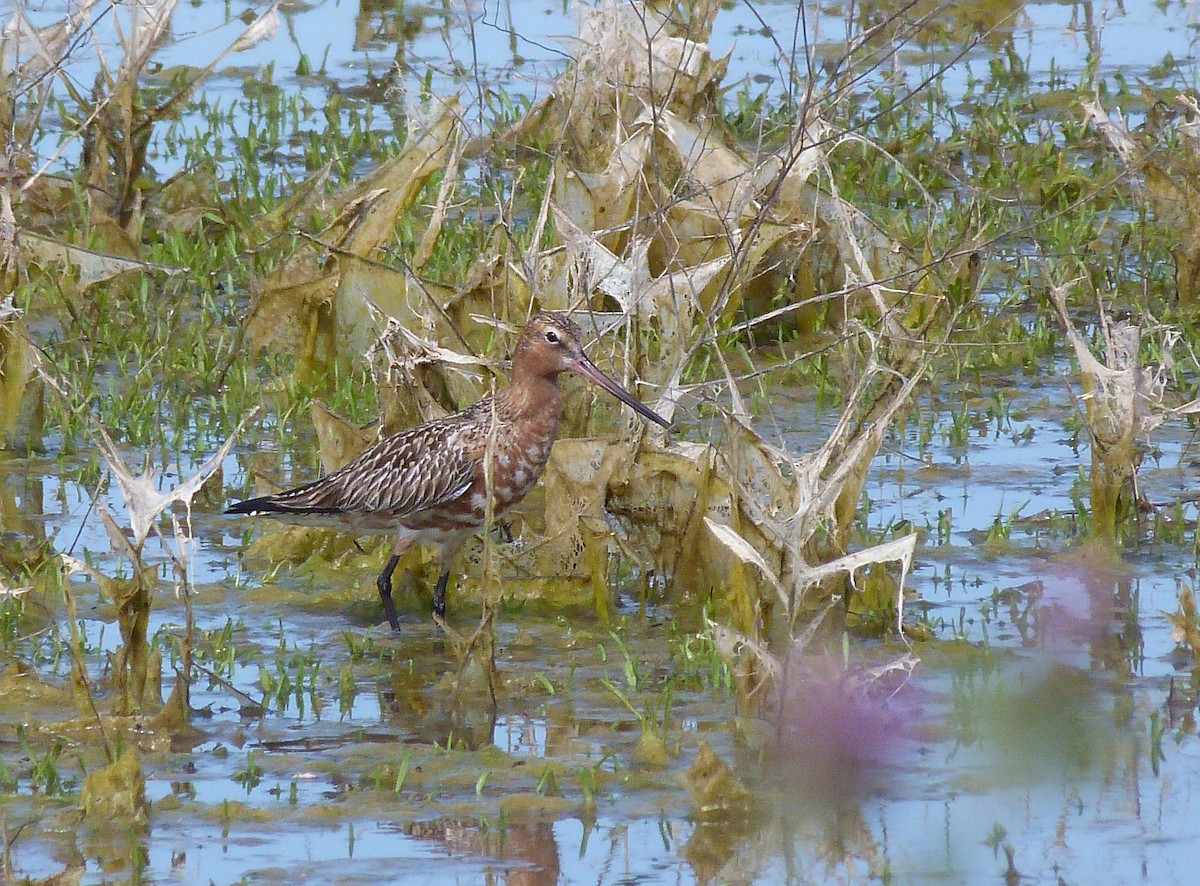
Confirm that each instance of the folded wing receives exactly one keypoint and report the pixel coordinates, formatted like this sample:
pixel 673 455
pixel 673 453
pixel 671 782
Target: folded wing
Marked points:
pixel 417 469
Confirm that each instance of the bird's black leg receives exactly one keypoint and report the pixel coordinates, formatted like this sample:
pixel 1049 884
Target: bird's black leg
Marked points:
pixel 384 583
pixel 439 595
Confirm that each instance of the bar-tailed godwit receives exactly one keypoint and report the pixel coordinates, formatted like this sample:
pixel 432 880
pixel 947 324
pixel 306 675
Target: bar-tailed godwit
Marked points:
pixel 428 483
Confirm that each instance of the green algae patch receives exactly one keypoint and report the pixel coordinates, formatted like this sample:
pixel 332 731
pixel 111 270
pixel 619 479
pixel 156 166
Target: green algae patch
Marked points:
pixel 345 596
pixel 118 791
pixel 319 549
pixel 175 716
pixel 1097 561
pixel 535 807
pixel 22 689
pixel 740 238
pixel 429 768
pixel 563 594
pixel 651 750
pixel 716 790
pixel 242 813
pixel 173 803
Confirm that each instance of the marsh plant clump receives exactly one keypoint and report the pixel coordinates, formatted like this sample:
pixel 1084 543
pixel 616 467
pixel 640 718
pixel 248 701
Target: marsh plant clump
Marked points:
pixel 243 294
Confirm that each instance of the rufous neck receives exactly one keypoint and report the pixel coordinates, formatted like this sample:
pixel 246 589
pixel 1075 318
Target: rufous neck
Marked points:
pixel 531 394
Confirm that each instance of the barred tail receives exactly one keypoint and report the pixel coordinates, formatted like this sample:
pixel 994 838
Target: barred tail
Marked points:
pixel 274 504
pixel 265 504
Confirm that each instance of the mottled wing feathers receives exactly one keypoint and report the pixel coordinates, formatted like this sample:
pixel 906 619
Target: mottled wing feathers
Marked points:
pixel 419 468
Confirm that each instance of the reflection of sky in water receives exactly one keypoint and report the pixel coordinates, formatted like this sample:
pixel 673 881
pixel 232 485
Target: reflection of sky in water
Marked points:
pixel 934 815
pixel 347 43
pixel 933 819
pixel 520 736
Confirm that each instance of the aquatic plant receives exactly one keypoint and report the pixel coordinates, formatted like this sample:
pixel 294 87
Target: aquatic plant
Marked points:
pixel 845 233
pixel 1123 402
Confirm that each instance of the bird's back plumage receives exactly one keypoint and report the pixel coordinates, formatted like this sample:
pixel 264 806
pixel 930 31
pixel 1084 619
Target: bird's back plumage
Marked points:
pixel 419 468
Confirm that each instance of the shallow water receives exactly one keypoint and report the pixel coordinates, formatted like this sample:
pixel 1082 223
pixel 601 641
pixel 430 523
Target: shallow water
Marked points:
pixel 1023 744
pixel 518 45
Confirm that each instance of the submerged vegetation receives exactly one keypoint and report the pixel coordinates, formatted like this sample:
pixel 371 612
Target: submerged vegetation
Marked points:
pixel 243 294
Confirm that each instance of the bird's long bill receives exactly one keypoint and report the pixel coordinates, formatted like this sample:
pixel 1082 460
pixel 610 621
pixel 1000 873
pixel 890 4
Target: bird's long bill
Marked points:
pixel 588 370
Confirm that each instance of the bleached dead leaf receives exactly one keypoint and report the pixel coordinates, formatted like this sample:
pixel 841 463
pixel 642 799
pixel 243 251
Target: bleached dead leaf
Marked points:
pixel 143 500
pixel 92 266
pixel 626 44
pixel 728 183
pixel 904 664
pixel 1122 394
pixel 116 538
pixel 747 553
pixel 600 323
pixel 30 51
pixel 182 555
pixel 339 440
pixel 419 351
pixel 597 267
pixel 730 644
pixel 75 566
pixel 262 28
pixel 149 21
pixel 1114 132
pixel 319 301
pixel 803 576
pixel 667 303
pixel 6 591
pixel 900 550
pixel 603 200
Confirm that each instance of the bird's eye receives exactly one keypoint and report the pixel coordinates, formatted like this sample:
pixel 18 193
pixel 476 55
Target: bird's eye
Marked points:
pixel 552 337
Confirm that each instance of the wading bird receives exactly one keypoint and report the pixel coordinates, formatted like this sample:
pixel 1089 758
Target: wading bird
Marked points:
pixel 428 483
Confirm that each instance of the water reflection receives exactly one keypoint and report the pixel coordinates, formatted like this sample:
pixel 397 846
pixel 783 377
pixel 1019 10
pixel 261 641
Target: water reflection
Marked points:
pixel 1085 601
pixel 990 765
pixel 1181 705
pixel 23 542
pixel 437 711
pixel 938 25
pixel 529 852
pixel 840 732
pixel 384 23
